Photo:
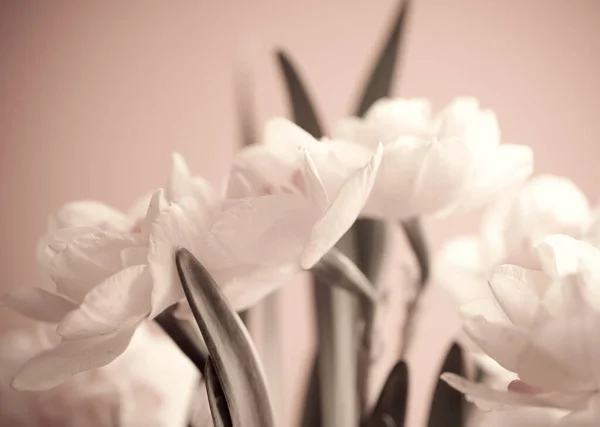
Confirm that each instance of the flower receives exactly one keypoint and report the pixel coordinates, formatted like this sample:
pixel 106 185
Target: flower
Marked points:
pixel 511 227
pixel 151 384
pixel 97 259
pixel 433 165
pixel 542 325
pixel 264 231
pixel 109 282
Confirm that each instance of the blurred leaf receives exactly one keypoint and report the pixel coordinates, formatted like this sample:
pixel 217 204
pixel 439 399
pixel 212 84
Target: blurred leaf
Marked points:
pixel 336 269
pixel 379 84
pixel 448 405
pixel 311 414
pixel 303 111
pixel 231 351
pixel 416 238
pixel 216 397
pixel 245 108
pixel 390 409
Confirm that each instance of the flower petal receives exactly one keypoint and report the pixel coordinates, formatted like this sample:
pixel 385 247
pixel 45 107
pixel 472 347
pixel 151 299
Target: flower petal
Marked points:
pixel 342 212
pixel 182 184
pixel 502 343
pixel 54 366
pixel 79 258
pixel 561 255
pixel 519 292
pixel 481 392
pixel 119 302
pixel 182 224
pixel 37 304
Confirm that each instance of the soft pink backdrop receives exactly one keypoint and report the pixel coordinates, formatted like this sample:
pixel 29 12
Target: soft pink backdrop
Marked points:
pixel 94 98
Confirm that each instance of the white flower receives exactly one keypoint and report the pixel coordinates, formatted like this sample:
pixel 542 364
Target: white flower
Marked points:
pixel 151 384
pixel 544 205
pixel 511 227
pixel 258 238
pixel 543 326
pixel 103 286
pixel 435 164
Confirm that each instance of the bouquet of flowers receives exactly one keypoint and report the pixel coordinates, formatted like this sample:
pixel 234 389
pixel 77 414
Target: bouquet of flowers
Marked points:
pixel 147 320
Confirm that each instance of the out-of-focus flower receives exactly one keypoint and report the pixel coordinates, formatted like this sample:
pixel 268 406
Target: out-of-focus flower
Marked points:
pixel 433 164
pixel 151 384
pixel 542 325
pixel 543 206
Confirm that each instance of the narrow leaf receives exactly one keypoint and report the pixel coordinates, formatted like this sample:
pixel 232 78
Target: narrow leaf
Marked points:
pixel 336 269
pixel 416 238
pixel 371 239
pixel 390 409
pixel 245 108
pixel 303 111
pixel 448 404
pixel 231 351
pixel 379 84
pixel 216 398
pixel 311 414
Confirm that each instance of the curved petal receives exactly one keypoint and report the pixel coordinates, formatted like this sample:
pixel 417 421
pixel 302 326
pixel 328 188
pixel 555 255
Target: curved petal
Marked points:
pixel 245 291
pixel 481 392
pixel 89 213
pixel 119 302
pixel 157 203
pixel 503 343
pixel 563 355
pixel 37 304
pixel 418 177
pixel 561 255
pixel 183 224
pixel 342 212
pixel 182 184
pixel 79 258
pixel 519 292
pixel 54 366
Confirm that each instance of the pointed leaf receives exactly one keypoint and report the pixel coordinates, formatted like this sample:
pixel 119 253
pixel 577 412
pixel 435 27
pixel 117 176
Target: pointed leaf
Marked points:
pixel 245 109
pixel 303 111
pixel 448 405
pixel 416 238
pixel 370 237
pixel 390 409
pixel 216 397
pixel 336 269
pixel 380 82
pixel 232 354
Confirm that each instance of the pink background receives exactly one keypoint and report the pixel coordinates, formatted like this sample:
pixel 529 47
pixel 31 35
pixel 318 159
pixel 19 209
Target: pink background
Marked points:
pixel 94 98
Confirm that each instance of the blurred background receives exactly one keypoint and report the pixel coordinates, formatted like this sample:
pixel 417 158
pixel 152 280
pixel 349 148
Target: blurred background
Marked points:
pixel 95 96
